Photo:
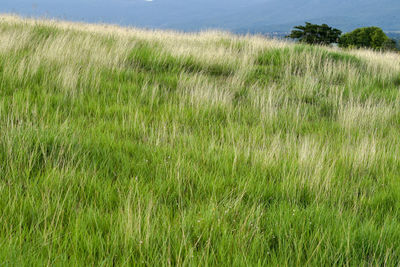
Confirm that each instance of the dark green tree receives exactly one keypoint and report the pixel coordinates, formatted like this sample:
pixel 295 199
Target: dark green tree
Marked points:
pixel 390 44
pixel 315 34
pixel 367 37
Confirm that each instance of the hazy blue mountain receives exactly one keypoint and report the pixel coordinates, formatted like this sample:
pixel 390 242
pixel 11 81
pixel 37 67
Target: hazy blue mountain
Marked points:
pixel 234 15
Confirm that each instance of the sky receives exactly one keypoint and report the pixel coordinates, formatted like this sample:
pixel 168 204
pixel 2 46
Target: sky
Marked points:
pixel 254 16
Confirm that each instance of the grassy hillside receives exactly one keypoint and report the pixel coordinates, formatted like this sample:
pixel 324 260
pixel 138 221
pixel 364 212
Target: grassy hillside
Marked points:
pixel 129 147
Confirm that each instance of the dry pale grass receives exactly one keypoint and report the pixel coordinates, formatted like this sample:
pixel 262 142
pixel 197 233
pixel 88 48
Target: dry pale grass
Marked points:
pixel 202 146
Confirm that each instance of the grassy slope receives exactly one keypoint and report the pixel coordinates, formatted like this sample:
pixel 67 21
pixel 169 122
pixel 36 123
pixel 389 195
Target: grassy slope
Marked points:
pixel 121 146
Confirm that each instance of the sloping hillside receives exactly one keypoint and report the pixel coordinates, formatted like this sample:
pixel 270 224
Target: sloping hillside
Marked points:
pixel 129 147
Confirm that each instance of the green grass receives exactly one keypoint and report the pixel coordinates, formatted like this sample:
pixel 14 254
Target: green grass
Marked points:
pixel 140 148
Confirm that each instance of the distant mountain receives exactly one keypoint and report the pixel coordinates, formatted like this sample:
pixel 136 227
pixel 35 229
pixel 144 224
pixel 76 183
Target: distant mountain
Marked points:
pixel 395 36
pixel 254 16
pixel 344 14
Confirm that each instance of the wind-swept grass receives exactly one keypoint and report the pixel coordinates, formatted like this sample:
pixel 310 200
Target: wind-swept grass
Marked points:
pixel 121 146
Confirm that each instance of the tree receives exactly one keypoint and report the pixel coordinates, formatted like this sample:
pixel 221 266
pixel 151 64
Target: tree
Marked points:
pixel 390 44
pixel 315 34
pixel 367 37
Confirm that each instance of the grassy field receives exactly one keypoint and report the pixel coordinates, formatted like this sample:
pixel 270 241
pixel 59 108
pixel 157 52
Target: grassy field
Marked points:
pixel 122 147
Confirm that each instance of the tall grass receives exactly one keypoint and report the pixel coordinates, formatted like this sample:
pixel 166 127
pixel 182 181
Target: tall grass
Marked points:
pixel 121 146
